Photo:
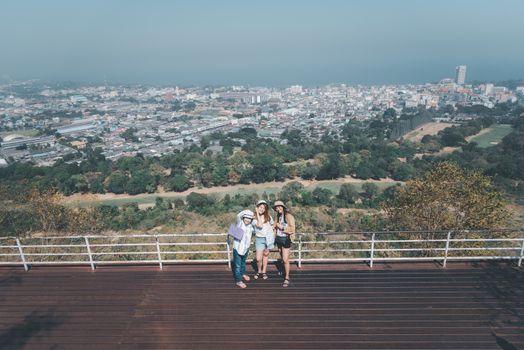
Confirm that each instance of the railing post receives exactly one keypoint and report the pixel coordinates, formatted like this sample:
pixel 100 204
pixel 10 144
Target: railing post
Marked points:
pixel 372 251
pixel 89 253
pixel 521 253
pixel 22 256
pixel 158 253
pixel 228 253
pixel 299 251
pixel 447 249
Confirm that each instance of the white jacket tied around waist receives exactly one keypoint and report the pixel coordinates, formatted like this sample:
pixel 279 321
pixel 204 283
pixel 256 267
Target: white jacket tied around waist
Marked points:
pixel 242 246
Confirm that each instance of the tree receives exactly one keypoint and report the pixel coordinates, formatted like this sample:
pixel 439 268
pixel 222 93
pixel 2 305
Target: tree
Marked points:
pixel 332 168
pixel 117 182
pixel 514 142
pixel 452 137
pixel 96 185
pixel 322 196
pixel 294 137
pixel 141 182
pixel 205 142
pixel 364 171
pixel 45 209
pixel 309 172
pixel 226 202
pixel 178 183
pixel 162 203
pixel 371 194
pixel 199 203
pixel 446 197
pixel 389 114
pixel 403 171
pixel 130 214
pixel 292 192
pixel 220 175
pixel 129 135
pixel 80 183
pixel 347 194
pixel 266 168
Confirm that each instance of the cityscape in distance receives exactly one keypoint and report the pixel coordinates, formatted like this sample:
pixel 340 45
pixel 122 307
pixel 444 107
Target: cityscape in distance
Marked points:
pixel 44 122
pixel 278 174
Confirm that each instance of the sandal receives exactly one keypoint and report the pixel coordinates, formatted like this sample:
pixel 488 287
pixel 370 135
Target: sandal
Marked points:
pixel 246 278
pixel 257 275
pixel 241 285
pixel 265 276
pixel 286 283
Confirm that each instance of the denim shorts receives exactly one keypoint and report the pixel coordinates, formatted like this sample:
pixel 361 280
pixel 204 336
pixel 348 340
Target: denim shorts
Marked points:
pixel 261 244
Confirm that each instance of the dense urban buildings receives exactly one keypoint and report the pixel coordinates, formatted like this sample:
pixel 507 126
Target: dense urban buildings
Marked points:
pixel 43 122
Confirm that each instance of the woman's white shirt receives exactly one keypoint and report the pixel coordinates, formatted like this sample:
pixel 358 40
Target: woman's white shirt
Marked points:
pixel 266 231
pixel 242 246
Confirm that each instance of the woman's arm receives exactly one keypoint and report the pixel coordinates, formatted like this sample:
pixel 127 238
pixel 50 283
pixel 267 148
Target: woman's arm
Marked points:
pixel 257 222
pixel 290 227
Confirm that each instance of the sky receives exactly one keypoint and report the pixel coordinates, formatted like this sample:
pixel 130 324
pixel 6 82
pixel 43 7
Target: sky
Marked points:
pixel 261 43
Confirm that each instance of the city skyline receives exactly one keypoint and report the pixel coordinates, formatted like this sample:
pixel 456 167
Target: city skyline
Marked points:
pixel 265 44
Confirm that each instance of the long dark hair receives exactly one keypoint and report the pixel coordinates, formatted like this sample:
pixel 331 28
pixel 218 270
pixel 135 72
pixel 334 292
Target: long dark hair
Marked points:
pixel 284 212
pixel 267 217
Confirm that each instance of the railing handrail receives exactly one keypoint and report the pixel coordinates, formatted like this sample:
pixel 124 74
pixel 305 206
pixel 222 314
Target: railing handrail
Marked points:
pixel 369 249
pixel 327 233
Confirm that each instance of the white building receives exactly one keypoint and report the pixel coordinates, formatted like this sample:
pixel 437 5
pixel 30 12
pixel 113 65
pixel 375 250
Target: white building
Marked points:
pixel 488 89
pixel 460 75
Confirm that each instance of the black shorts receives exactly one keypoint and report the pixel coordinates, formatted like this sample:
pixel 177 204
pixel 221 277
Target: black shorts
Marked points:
pixel 283 242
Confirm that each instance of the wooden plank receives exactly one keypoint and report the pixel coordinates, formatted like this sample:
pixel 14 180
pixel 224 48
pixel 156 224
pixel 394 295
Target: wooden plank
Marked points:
pixel 395 306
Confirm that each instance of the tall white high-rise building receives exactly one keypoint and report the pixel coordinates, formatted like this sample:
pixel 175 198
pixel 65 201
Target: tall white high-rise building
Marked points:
pixel 460 75
pixel 488 89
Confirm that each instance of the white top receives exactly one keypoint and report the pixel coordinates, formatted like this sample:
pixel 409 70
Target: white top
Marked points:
pixel 266 231
pixel 242 246
pixel 280 232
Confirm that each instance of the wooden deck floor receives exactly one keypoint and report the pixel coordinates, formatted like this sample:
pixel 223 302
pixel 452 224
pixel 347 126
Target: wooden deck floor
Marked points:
pixel 399 306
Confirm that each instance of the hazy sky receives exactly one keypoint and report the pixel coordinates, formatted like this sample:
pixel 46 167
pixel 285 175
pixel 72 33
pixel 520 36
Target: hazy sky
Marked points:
pixel 262 42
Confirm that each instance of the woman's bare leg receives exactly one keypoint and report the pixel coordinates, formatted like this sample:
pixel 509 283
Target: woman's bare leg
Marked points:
pixel 265 258
pixel 285 259
pixel 259 258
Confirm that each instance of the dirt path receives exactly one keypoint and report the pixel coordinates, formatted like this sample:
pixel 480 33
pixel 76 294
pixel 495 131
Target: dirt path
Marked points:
pixel 79 198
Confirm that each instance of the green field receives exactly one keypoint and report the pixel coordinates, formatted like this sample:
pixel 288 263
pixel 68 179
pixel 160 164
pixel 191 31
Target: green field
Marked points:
pixel 332 185
pixel 150 199
pixel 493 136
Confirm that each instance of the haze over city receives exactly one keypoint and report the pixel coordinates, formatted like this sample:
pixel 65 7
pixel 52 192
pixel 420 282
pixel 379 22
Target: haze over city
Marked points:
pixel 233 174
pixel 271 43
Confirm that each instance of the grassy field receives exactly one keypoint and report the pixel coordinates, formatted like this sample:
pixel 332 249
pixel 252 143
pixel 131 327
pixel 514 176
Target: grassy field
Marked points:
pixel 493 136
pixel 485 138
pixel 427 129
pixel 150 199
pixel 145 200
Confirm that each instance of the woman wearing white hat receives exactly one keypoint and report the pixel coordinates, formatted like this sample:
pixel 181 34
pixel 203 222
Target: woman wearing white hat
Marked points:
pixel 265 238
pixel 241 247
pixel 285 233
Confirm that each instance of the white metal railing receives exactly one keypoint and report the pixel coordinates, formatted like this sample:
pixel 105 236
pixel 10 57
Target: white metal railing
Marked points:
pixel 368 247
